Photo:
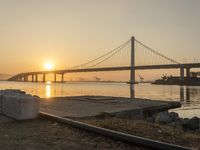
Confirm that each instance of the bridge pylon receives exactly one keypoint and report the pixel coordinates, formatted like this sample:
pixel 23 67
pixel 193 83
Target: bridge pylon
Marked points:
pixel 132 71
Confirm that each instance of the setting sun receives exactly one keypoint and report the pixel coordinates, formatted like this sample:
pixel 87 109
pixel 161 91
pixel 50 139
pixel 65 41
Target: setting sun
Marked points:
pixel 48 66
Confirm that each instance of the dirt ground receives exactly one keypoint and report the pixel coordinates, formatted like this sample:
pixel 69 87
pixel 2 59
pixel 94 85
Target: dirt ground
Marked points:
pixel 42 134
pixel 165 133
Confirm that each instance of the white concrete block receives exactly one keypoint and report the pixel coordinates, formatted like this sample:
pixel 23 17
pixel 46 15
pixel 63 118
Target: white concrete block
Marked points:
pixel 8 91
pixel 20 106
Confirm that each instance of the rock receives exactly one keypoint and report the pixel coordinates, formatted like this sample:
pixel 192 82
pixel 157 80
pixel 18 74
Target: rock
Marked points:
pixel 55 124
pixel 179 122
pixel 162 117
pixel 186 119
pixel 173 116
pixel 194 123
pixel 150 119
pixel 172 124
pixel 159 131
pixel 154 116
pixel 173 119
pixel 165 117
pixel 185 126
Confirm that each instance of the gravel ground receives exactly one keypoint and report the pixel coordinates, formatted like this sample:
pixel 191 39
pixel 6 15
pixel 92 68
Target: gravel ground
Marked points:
pixel 42 134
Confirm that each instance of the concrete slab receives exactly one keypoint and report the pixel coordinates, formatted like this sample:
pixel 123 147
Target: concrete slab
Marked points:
pixel 4 119
pixel 88 106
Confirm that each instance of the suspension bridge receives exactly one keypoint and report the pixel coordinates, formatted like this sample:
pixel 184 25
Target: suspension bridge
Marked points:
pixel 131 55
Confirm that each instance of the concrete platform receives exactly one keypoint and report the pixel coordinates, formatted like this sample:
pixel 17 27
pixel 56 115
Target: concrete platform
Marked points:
pixel 90 106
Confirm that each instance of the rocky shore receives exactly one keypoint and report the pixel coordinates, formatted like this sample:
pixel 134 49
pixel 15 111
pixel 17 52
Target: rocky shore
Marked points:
pixel 173 119
pixel 164 126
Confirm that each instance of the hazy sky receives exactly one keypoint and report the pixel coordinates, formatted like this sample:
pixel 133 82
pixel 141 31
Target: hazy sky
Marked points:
pixel 70 32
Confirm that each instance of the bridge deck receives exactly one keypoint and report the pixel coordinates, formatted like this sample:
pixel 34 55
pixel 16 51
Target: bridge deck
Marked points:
pixel 166 66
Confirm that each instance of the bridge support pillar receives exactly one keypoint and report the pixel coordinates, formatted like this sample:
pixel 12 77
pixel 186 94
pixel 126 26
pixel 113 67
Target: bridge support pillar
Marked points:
pixel 62 77
pixel 55 77
pixel 182 73
pixel 25 78
pixel 132 71
pixel 36 78
pixel 188 72
pixel 20 79
pixel 32 76
pixel 44 77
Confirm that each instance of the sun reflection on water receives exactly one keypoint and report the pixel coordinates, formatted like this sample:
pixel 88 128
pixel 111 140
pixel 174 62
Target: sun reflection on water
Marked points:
pixel 48 90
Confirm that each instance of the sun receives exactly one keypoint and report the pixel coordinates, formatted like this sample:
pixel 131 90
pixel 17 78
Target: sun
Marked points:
pixel 48 66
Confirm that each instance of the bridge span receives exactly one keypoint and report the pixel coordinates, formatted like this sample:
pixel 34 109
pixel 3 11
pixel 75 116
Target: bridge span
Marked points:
pixel 34 75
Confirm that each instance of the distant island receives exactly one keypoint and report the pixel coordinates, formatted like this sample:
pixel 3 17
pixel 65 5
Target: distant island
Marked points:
pixel 193 80
pixel 4 77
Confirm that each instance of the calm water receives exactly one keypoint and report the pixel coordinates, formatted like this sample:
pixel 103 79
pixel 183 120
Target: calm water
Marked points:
pixel 188 95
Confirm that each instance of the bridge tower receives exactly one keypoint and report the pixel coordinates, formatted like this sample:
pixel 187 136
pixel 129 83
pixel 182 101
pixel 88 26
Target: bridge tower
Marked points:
pixel 132 71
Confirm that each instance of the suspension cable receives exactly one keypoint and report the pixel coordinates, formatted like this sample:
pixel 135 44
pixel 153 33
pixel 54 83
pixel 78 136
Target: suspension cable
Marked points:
pixel 119 47
pixel 152 50
pixel 109 56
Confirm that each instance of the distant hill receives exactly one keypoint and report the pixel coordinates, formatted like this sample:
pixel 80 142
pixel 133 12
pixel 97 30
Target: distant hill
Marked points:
pixel 4 76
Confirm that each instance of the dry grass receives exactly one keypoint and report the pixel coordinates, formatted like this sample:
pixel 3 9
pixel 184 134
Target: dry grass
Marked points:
pixel 149 130
pixel 42 134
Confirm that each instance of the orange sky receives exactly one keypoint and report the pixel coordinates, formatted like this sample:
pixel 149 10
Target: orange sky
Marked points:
pixel 72 32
